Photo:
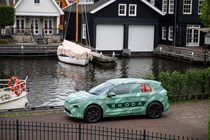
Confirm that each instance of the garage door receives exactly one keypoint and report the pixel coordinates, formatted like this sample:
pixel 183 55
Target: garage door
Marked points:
pixel 141 38
pixel 109 37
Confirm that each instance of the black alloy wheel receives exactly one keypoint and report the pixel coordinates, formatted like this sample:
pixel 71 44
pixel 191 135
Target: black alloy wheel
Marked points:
pixel 154 110
pixel 93 113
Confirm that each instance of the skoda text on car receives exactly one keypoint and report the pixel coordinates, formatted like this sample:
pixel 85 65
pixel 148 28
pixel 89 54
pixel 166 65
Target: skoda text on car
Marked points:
pixel 118 97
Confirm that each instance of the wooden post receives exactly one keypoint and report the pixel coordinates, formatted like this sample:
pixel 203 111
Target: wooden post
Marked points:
pixel 77 21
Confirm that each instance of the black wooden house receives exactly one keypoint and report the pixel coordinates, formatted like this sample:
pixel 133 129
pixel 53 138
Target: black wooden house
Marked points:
pixel 116 25
pixel 181 23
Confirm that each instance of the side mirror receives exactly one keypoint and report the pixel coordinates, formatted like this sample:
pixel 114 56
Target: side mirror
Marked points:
pixel 110 94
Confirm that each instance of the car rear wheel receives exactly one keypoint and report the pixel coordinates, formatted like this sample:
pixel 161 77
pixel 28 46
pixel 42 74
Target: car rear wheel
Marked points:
pixel 154 110
pixel 93 113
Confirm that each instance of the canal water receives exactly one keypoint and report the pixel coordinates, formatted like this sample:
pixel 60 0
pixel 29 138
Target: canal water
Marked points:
pixel 49 80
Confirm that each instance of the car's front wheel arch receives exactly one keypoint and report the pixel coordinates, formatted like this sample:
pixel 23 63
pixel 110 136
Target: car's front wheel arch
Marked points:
pixel 154 110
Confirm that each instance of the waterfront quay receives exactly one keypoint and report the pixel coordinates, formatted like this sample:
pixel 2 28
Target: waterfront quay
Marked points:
pixel 31 49
pixel 187 54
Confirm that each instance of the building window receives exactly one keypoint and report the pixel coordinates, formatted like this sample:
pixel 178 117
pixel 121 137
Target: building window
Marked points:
pixel 171 6
pixel 170 33
pixel 200 2
pixel 132 9
pixel 84 31
pixel 152 2
pixel 122 10
pixel 187 6
pixel 164 33
pixel 164 6
pixel 36 1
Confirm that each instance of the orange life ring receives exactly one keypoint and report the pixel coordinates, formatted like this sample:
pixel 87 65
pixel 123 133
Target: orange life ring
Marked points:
pixel 19 87
pixel 14 81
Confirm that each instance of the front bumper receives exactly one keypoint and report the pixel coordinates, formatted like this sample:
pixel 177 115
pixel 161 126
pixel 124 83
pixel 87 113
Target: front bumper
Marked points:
pixel 73 110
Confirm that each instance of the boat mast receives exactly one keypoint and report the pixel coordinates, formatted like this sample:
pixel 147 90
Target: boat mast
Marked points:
pixel 77 21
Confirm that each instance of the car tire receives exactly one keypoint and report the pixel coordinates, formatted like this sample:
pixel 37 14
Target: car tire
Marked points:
pixel 93 113
pixel 154 110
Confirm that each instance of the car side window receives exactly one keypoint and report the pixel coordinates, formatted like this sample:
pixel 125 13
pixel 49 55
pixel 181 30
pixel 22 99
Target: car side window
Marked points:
pixel 145 88
pixel 135 88
pixel 121 89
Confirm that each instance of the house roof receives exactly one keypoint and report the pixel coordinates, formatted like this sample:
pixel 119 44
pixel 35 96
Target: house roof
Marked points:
pixel 93 8
pixel 18 2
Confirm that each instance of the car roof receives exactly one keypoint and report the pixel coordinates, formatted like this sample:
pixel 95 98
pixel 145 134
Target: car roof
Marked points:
pixel 118 81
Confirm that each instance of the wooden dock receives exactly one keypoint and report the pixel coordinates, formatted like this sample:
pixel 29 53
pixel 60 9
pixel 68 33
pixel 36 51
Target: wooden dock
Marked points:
pixel 188 54
pixel 103 60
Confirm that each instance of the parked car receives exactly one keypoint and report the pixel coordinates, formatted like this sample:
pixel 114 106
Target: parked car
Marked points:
pixel 118 97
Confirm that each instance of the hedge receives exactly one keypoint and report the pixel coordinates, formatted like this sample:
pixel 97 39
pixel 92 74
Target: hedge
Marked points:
pixel 193 84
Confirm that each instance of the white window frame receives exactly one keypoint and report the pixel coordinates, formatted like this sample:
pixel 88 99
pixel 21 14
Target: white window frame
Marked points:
pixel 187 7
pixel 170 33
pixel 164 32
pixel 21 24
pixel 200 2
pixel 164 6
pixel 171 7
pixel 119 10
pixel 36 1
pixel 130 9
pixel 84 31
pixel 86 1
pixel 152 2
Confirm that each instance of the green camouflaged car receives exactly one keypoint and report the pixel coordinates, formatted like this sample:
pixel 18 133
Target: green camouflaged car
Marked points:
pixel 118 97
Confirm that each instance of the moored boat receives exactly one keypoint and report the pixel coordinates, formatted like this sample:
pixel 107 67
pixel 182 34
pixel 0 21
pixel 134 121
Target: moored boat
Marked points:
pixel 13 93
pixel 72 53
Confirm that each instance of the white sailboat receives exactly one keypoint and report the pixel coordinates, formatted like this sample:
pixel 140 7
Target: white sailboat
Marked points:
pixel 73 53
pixel 13 93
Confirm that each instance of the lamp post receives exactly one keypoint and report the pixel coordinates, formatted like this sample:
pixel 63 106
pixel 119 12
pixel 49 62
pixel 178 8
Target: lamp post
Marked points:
pixel 206 44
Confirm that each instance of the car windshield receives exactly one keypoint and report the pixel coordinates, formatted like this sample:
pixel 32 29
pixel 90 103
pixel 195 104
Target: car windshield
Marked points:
pixel 101 88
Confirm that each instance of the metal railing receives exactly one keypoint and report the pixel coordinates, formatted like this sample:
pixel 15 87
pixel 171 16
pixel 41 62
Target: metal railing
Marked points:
pixel 30 31
pixel 191 55
pixel 19 130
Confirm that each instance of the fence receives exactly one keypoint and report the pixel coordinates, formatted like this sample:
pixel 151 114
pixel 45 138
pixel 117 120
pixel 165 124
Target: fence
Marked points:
pixel 18 130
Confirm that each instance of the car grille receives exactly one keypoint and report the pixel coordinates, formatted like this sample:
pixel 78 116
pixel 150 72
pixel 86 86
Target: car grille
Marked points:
pixel 68 111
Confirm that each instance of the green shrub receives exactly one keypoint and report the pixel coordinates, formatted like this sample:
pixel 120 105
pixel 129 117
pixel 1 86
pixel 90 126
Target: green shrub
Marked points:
pixel 4 41
pixel 193 84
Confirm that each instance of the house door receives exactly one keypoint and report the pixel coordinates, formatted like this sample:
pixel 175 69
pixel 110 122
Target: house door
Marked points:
pixel 35 26
pixel 48 24
pixel 141 38
pixel 20 24
pixel 192 35
pixel 109 37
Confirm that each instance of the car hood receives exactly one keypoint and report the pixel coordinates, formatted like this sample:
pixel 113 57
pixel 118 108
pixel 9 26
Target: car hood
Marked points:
pixel 79 96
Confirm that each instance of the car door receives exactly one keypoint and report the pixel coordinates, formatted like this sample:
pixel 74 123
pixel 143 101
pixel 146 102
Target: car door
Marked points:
pixel 123 100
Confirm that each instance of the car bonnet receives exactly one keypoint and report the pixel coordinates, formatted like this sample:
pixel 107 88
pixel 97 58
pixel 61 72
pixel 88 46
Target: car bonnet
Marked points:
pixel 81 95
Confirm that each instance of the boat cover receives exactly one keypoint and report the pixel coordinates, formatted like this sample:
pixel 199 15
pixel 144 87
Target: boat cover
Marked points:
pixel 74 50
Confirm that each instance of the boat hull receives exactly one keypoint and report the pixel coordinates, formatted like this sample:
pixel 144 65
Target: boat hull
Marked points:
pixel 75 61
pixel 15 102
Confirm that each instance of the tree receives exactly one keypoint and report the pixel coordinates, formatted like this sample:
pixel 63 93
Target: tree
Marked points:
pixel 7 14
pixel 205 13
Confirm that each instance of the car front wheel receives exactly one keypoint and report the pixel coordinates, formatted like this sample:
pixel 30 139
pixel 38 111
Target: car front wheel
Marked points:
pixel 154 110
pixel 93 114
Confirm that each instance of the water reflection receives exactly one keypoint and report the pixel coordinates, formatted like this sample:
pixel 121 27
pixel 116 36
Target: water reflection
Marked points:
pixel 49 79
